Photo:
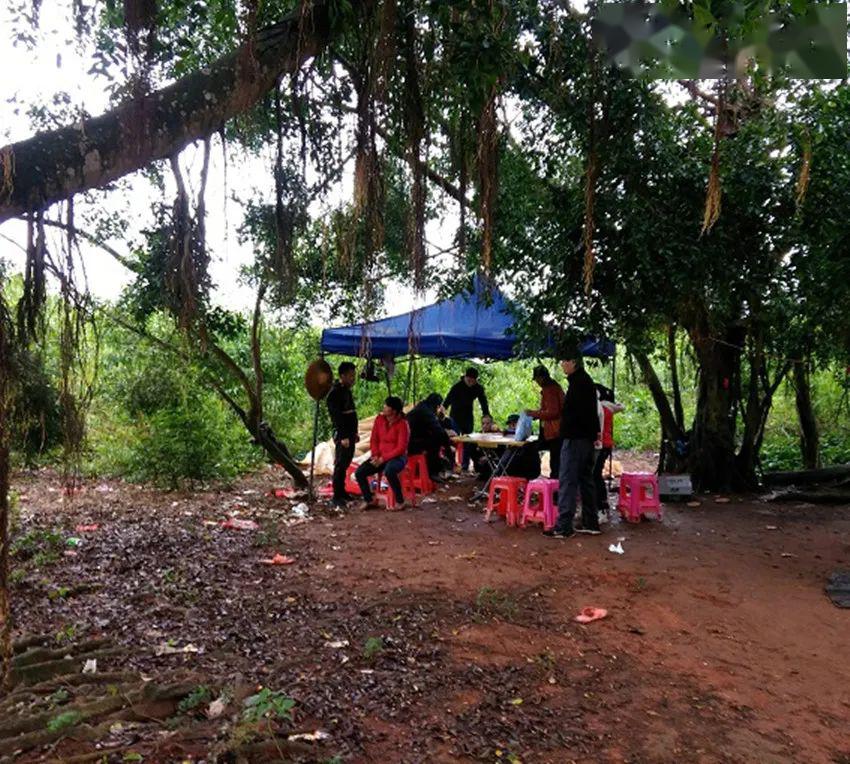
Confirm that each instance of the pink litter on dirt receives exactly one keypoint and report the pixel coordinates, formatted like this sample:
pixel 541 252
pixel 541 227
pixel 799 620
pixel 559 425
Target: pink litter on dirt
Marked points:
pixel 589 614
pixel 283 493
pixel 279 559
pixel 238 524
pixel 87 528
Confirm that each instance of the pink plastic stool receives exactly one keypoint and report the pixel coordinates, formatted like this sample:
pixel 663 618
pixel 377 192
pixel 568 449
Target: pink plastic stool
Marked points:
pixel 545 509
pixel 508 502
pixel 638 496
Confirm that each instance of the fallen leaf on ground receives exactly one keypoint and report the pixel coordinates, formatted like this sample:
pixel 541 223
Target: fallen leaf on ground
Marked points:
pixel 238 524
pixel 278 559
pixel 166 649
pixel 310 737
pixel 516 702
pixel 337 644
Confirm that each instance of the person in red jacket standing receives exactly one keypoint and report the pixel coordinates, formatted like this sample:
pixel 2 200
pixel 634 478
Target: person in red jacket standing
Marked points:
pixel 390 436
pixel 549 414
pixel 609 408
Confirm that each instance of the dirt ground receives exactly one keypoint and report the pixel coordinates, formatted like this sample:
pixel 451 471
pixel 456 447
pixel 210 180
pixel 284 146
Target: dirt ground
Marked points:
pixel 432 636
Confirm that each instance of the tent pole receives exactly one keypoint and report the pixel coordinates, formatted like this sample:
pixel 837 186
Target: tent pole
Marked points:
pixel 312 493
pixel 614 396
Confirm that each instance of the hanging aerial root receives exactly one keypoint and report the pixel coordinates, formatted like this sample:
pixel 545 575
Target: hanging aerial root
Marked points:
pixel 7 173
pixel 805 172
pixel 711 213
pixel 589 220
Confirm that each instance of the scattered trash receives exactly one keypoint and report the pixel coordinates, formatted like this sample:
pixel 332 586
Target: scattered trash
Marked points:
pixel 73 541
pixel 86 528
pixel 278 559
pixel 283 493
pixel 310 737
pixel 238 524
pixel 590 614
pixel 336 548
pixel 300 510
pixel 90 666
pixel 104 488
pixel 337 644
pixel 168 649
pixel 721 500
pixel 694 504
pixel 216 708
pixel 429 500
pixel 516 702
pixel 470 556
pixel 433 543
pixel 787 554
pixel 616 548
pixel 455 498
pixel 70 553
pixel 330 566
pixel 771 527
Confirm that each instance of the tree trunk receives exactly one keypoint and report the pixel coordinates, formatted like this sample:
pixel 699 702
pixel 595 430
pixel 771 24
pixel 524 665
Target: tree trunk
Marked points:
pixel 809 434
pixel 671 432
pixel 5 540
pixel 57 164
pixel 712 444
pixel 673 360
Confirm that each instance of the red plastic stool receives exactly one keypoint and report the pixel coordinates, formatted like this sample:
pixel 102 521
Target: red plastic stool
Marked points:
pixel 508 503
pixel 638 496
pixel 417 465
pixel 350 481
pixel 545 510
pixel 385 493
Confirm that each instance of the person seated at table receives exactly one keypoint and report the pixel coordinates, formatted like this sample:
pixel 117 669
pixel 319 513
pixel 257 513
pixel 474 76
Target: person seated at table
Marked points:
pixel 388 444
pixel 481 461
pixel 525 462
pixel 427 435
pixel 446 422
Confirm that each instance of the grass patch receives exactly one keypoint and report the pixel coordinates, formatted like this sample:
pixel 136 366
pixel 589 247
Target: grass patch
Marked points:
pixel 491 603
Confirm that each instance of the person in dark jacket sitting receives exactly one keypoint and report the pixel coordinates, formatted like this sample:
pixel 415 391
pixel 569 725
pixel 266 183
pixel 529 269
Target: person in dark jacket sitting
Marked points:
pixel 580 429
pixel 460 399
pixel 427 435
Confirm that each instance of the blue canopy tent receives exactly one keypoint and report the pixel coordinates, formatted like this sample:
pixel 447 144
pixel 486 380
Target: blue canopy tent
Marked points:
pixel 475 324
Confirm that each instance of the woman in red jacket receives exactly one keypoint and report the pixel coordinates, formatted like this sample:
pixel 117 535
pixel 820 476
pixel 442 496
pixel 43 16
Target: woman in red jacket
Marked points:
pixel 390 436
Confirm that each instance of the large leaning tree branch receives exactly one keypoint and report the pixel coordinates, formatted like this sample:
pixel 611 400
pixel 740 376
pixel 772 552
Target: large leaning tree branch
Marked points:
pixel 58 164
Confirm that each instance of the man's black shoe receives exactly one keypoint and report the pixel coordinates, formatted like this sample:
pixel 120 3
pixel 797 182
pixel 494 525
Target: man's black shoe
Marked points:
pixel 556 534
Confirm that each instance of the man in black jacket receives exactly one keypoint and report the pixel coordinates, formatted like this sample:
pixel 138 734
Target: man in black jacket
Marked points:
pixel 580 429
pixel 344 419
pixel 463 394
pixel 427 435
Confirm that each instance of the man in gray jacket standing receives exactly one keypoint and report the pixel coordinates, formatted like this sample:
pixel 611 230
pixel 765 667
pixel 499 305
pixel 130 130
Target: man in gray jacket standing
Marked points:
pixel 580 430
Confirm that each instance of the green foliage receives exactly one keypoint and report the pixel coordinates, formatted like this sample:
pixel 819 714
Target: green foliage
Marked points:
pixel 491 603
pixel 63 721
pixel 268 704
pixel 372 648
pixel 200 696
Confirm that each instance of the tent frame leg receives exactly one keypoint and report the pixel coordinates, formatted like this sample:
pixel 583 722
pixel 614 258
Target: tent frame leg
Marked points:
pixel 311 489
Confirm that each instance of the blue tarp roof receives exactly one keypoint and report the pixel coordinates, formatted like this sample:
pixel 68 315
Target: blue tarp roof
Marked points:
pixel 474 324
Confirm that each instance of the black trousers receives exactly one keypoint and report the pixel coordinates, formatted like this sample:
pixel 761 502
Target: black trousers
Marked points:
pixel 598 479
pixel 553 446
pixel 342 458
